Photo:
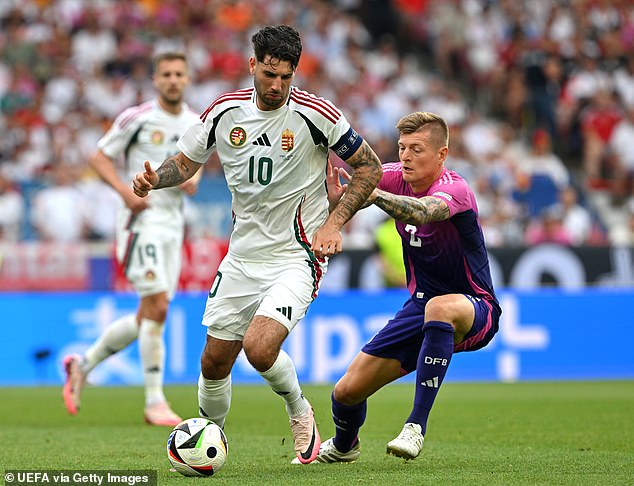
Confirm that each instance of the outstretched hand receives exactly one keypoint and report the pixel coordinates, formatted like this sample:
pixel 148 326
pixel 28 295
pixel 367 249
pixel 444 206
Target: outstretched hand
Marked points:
pixel 144 182
pixel 334 186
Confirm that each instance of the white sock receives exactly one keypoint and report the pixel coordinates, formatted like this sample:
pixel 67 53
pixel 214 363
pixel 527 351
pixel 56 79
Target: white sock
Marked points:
pixel 116 336
pixel 214 398
pixel 152 350
pixel 282 378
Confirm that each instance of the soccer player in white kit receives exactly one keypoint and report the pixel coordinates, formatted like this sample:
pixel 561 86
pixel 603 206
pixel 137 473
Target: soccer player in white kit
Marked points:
pixel 272 141
pixel 149 234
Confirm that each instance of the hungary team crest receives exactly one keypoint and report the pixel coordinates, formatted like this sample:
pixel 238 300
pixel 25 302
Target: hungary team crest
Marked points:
pixel 288 140
pixel 237 136
pixel 157 137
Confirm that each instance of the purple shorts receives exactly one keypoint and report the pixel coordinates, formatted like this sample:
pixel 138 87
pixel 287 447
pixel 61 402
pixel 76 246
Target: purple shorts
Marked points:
pixel 402 336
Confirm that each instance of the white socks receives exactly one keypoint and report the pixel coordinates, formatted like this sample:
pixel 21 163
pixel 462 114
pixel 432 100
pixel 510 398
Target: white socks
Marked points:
pixel 214 398
pixel 282 378
pixel 117 336
pixel 120 334
pixel 152 350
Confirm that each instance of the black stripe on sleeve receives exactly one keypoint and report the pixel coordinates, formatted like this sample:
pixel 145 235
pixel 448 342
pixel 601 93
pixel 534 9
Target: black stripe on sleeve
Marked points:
pixel 211 140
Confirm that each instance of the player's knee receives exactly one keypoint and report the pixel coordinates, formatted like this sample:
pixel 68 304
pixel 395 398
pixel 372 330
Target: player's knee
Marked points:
pixel 161 310
pixel 261 355
pixel 434 309
pixel 155 307
pixel 213 368
pixel 440 309
pixel 158 315
pixel 346 393
pixel 260 358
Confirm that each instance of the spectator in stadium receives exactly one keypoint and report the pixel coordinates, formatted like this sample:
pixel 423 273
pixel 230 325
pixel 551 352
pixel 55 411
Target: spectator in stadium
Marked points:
pixel 577 220
pixel 149 235
pixel 548 227
pixel 621 157
pixel 598 121
pixel 453 306
pixel 539 176
pixel 622 233
pixel 58 213
pixel 272 140
pixel 11 210
pixel 542 160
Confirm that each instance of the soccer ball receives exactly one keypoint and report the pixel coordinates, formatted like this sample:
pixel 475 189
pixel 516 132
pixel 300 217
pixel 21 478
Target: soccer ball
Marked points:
pixel 197 447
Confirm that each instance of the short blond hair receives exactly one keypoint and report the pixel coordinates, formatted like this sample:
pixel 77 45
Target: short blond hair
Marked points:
pixel 168 56
pixel 424 119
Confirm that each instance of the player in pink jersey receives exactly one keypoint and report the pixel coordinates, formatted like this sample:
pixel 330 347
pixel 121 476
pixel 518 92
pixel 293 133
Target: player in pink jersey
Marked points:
pixel 452 307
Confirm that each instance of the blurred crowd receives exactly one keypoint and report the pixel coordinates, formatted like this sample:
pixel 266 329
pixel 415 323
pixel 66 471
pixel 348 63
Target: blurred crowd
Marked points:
pixel 539 97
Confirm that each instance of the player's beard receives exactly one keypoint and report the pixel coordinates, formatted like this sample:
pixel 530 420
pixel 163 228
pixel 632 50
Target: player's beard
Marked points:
pixel 265 98
pixel 271 102
pixel 173 101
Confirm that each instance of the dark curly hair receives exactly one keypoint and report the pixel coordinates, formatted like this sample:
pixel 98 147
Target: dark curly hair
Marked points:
pixel 281 42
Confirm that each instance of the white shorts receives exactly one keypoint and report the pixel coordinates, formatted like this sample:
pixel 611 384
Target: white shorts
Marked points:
pixel 241 290
pixel 150 257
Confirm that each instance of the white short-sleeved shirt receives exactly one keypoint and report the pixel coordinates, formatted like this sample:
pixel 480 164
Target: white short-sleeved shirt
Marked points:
pixel 147 132
pixel 275 166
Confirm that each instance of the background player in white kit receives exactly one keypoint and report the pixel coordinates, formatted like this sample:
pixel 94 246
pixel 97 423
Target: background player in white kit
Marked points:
pixel 149 234
pixel 272 141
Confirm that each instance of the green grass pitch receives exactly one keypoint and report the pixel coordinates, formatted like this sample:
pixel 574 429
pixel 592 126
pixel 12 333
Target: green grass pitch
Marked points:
pixel 546 433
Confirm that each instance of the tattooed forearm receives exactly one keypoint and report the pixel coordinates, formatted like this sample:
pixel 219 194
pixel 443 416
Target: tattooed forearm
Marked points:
pixel 367 173
pixel 173 171
pixel 410 210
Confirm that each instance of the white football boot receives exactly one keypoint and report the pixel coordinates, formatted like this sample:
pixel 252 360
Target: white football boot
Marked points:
pixel 328 453
pixel 409 442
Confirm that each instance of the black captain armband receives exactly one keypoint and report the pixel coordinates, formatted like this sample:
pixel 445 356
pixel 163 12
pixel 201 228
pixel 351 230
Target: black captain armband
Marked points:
pixel 347 144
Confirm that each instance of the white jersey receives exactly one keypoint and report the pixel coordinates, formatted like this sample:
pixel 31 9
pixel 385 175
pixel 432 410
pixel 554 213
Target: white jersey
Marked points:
pixel 275 167
pixel 147 132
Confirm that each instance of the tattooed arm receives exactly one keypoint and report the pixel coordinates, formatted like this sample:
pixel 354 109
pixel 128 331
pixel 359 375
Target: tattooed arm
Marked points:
pixel 172 172
pixel 411 210
pixel 367 173
pixel 327 240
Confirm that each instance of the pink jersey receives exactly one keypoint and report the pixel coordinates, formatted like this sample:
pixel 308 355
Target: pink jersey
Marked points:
pixel 448 256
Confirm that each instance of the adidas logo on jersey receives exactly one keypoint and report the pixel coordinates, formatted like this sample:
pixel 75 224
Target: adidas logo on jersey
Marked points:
pixel 262 140
pixel 433 383
pixel 287 311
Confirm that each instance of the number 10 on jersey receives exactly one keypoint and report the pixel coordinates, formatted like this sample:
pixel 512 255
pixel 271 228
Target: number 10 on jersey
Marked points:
pixel 262 170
